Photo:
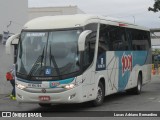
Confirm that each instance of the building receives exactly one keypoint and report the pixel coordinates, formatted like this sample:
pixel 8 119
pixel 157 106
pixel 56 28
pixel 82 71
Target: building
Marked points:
pixel 51 11
pixel 14 13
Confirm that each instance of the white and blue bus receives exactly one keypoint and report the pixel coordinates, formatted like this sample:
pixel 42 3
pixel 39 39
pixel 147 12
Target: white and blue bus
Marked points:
pixel 79 58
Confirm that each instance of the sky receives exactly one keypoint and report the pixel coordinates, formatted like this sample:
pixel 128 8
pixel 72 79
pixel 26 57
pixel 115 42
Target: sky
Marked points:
pixel 133 11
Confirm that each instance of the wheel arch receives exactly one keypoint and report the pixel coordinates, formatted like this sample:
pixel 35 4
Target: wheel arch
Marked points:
pixel 102 80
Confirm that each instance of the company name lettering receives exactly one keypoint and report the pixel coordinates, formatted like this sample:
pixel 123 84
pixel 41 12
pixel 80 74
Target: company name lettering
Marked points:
pixel 126 63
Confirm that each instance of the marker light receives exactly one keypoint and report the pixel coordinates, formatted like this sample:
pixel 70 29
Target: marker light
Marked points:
pixel 71 96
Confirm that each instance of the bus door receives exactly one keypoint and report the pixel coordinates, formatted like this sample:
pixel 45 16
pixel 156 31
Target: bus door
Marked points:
pixel 88 58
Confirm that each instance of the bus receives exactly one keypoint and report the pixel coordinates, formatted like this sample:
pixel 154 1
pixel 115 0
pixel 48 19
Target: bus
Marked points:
pixel 79 58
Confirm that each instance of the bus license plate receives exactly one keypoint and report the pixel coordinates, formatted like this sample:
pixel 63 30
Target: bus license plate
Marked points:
pixel 34 85
pixel 44 98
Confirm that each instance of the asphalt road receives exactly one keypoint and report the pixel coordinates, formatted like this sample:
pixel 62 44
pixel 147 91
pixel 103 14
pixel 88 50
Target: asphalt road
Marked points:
pixel 148 100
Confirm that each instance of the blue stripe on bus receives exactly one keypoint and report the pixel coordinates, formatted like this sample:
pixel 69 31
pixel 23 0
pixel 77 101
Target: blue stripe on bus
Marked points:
pixel 138 58
pixel 65 81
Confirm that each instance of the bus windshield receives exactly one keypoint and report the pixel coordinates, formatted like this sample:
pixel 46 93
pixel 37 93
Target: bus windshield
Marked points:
pixel 52 53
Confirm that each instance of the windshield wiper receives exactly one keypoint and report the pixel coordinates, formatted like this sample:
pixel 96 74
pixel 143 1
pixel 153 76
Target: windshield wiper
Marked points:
pixel 55 64
pixel 35 65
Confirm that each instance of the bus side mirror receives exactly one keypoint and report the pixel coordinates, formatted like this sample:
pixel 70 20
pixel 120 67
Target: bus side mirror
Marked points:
pixel 9 42
pixel 82 39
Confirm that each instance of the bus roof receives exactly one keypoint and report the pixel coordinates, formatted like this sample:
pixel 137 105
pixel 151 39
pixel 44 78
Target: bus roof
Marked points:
pixel 72 21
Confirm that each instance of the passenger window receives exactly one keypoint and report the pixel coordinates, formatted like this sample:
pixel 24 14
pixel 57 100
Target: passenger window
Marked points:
pixel 112 38
pixel 139 39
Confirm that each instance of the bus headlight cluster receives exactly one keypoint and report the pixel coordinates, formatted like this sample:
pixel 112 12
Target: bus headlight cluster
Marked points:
pixel 20 86
pixel 69 86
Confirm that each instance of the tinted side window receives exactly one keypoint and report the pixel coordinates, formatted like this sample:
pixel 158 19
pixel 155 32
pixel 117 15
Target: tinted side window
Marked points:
pixel 112 38
pixel 140 39
pixel 118 39
pixel 103 44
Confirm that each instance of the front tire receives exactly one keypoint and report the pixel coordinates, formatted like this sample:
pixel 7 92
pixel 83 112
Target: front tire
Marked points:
pixel 100 95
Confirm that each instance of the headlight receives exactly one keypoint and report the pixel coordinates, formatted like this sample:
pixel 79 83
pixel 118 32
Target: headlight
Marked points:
pixel 70 86
pixel 20 86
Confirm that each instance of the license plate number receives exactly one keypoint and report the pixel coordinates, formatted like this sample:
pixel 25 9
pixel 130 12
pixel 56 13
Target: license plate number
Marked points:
pixel 34 85
pixel 44 98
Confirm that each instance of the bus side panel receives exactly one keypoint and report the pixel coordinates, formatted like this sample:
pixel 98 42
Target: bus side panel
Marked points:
pixel 107 68
pixel 122 69
pixel 112 72
pixel 126 65
pixel 140 62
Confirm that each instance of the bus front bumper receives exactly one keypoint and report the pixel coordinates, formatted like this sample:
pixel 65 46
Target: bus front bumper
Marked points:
pixel 69 96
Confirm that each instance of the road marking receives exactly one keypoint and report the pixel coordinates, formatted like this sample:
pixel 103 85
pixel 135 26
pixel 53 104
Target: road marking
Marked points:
pixel 152 98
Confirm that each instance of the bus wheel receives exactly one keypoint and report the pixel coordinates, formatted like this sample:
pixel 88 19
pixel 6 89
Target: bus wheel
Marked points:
pixel 45 104
pixel 136 90
pixel 100 95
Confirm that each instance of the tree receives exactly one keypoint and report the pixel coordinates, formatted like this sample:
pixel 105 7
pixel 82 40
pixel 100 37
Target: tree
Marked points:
pixel 156 52
pixel 156 6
